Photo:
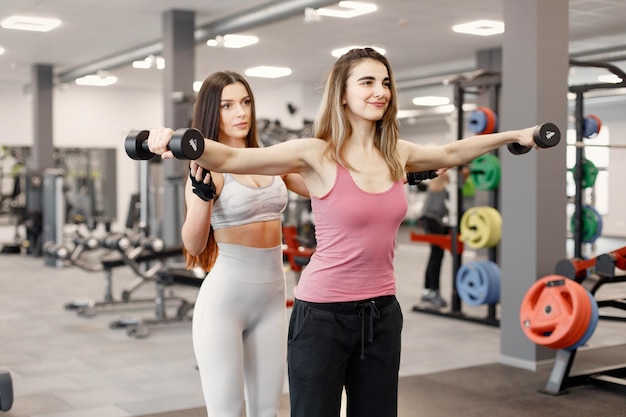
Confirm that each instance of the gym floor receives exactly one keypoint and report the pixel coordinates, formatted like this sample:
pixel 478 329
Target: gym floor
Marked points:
pixel 63 365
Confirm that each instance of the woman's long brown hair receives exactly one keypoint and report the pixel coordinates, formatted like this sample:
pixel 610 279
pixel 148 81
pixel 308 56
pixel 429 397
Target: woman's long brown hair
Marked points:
pixel 206 118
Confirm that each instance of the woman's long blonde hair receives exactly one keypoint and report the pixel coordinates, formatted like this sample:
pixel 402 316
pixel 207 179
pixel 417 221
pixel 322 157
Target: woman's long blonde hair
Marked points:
pixel 206 118
pixel 332 123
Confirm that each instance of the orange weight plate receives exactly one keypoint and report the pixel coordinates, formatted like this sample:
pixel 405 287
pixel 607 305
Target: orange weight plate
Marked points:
pixel 555 312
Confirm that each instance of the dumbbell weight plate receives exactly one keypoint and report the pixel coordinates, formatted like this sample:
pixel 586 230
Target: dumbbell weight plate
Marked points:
pixel 187 144
pixel 547 135
pixel 134 145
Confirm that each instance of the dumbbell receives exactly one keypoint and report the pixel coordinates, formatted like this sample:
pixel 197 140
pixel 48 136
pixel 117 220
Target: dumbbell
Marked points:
pixel 88 243
pixel 117 242
pixel 153 244
pixel 184 144
pixel 56 251
pixel 546 135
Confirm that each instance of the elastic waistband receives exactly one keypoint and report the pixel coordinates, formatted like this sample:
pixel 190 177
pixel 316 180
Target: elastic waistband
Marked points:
pixel 352 307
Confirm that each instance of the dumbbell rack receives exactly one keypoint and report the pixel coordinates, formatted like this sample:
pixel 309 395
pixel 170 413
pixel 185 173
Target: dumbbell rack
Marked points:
pixel 579 91
pixel 477 83
pixel 611 378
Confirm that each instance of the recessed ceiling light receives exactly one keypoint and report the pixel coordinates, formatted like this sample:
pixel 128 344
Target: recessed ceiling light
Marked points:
pixel 347 9
pixel 340 51
pixel 480 27
pixel 268 72
pixel 1 50
pixel 233 41
pixel 149 62
pixel 96 80
pixel 431 101
pixel 36 24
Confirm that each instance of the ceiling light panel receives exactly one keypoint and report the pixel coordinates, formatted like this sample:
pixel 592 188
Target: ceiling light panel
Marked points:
pixel 347 9
pixel 233 41
pixel 96 80
pixel 35 24
pixel 268 72
pixel 480 27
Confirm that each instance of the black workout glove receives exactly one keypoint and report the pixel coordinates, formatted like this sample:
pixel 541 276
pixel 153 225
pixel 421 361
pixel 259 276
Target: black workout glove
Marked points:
pixel 415 178
pixel 206 192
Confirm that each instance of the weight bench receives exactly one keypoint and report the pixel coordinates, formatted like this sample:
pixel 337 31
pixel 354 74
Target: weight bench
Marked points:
pixel 166 277
pixel 604 272
pixel 136 260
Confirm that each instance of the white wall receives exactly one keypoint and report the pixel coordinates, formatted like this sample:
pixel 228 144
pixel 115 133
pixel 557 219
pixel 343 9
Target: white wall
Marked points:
pixel 16 125
pixel 86 117
pixel 271 103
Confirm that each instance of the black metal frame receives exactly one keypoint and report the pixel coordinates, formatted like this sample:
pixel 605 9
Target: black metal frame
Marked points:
pixel 478 83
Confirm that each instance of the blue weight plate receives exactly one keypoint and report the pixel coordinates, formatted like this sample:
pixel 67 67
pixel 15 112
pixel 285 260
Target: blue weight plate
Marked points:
pixel 592 324
pixel 472 284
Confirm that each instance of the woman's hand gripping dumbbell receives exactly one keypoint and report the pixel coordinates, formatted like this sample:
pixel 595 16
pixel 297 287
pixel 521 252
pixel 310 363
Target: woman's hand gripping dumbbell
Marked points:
pixel 184 144
pixel 546 135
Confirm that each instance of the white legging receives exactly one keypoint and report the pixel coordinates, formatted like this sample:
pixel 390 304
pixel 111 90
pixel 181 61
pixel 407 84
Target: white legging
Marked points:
pixel 240 332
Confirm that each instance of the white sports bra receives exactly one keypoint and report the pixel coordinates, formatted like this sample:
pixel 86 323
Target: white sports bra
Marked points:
pixel 240 204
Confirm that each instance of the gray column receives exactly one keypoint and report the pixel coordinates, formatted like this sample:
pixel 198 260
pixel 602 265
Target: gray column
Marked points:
pixel 535 71
pixel 179 53
pixel 42 85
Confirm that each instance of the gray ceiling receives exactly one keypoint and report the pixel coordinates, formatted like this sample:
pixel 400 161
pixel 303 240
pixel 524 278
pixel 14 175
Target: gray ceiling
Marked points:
pixel 416 34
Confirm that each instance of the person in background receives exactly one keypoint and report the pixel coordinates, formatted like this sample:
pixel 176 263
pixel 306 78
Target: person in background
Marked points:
pixel 434 221
pixel 232 228
pixel 346 324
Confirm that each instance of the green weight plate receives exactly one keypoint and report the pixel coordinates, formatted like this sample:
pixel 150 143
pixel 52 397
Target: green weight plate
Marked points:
pixel 485 172
pixel 589 225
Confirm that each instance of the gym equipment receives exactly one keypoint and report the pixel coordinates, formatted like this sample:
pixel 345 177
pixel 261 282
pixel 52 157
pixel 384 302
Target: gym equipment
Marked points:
pixel 483 120
pixel 576 269
pixel 556 312
pixel 295 253
pixel 113 251
pixel 478 282
pixel 165 277
pixel 546 135
pixel 591 224
pixel 590 173
pixel 443 241
pixel 606 377
pixel 484 86
pixel 591 125
pixel 593 323
pixel 6 391
pixel 485 172
pixel 481 227
pixel 185 144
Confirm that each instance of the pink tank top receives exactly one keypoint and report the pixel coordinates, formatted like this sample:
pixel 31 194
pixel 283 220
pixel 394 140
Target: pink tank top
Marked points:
pixel 355 233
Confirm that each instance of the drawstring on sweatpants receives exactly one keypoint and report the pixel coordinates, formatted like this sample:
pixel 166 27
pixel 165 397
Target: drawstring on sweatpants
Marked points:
pixel 370 306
